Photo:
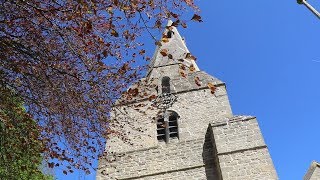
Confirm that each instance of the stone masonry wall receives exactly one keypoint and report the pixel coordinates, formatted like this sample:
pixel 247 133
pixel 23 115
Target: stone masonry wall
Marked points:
pixel 195 108
pixel 316 174
pixel 178 160
pixel 241 151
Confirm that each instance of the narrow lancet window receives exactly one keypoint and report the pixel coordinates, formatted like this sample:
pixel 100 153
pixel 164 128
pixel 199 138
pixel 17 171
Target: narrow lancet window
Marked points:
pixel 165 84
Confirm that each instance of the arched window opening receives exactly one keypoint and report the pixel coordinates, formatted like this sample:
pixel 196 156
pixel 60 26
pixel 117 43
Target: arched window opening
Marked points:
pixel 165 84
pixel 167 127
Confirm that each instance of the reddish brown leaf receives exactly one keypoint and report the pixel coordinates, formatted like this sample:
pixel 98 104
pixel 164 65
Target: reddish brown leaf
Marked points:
pixel 192 68
pixel 114 33
pixel 184 25
pixel 125 8
pixel 116 2
pixel 157 24
pixel 182 73
pixel 158 43
pixel 152 97
pixel 212 87
pixel 105 53
pixel 174 15
pixel 51 165
pixel 165 40
pixel 197 81
pixel 133 92
pixel 176 23
pixel 190 56
pixel 196 17
pixel 164 52
pixel 142 52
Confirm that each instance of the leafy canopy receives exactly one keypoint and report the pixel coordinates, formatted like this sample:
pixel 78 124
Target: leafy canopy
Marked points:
pixel 69 60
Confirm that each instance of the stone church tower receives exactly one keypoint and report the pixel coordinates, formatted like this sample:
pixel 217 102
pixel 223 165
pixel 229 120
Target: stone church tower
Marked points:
pixel 184 128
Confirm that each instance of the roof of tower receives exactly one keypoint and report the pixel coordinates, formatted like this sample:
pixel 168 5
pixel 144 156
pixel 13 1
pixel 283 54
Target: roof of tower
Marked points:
pixel 310 173
pixel 176 63
pixel 171 49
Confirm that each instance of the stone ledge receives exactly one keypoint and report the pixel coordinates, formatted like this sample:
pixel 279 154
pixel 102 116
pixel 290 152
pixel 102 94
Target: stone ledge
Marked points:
pixel 233 119
pixel 242 150
pixel 164 172
pixel 174 63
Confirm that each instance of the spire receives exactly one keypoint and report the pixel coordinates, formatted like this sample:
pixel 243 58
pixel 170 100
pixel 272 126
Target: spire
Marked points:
pixel 171 49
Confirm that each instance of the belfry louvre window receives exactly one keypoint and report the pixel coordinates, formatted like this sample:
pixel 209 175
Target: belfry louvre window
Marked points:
pixel 173 126
pixel 161 130
pixel 167 127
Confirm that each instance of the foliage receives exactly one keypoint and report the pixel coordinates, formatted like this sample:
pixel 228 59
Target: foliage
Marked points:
pixel 20 147
pixel 69 61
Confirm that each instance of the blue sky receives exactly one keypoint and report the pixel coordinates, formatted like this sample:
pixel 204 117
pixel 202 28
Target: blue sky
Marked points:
pixel 267 53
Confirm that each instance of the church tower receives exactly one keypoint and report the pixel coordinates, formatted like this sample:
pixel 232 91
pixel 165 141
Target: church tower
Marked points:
pixel 178 124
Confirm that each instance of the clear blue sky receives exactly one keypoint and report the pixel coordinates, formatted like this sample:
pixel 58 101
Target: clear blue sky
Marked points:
pixel 267 54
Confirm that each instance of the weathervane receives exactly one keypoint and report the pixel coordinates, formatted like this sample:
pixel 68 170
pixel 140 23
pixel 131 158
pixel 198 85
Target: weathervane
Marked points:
pixel 312 9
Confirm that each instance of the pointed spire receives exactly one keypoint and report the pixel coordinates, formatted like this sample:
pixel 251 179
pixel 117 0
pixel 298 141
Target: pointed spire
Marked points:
pixel 171 49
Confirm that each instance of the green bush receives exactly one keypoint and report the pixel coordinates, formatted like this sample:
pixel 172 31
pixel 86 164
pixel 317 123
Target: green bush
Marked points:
pixel 20 147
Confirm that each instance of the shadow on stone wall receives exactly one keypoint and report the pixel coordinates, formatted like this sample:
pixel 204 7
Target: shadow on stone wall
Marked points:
pixel 208 155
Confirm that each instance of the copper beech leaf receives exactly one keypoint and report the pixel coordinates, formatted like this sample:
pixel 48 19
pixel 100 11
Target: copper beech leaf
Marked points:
pixel 158 43
pixel 133 92
pixel 142 52
pixel 114 33
pixel 164 52
pixel 197 81
pixel 152 97
pixel 165 40
pixel 182 67
pixel 176 23
pixel 182 73
pixel 174 15
pixel 212 87
pixel 196 17
pixel 192 68
pixel 190 57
